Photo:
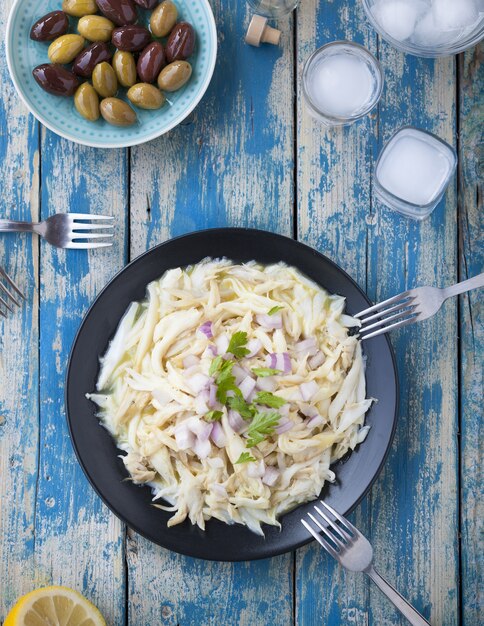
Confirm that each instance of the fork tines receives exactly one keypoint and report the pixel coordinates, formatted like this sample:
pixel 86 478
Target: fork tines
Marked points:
pixel 402 312
pixel 7 290
pixel 82 225
pixel 336 536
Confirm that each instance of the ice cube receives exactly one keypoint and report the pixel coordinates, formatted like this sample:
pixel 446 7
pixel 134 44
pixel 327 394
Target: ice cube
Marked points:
pixel 450 14
pixel 398 17
pixel 429 35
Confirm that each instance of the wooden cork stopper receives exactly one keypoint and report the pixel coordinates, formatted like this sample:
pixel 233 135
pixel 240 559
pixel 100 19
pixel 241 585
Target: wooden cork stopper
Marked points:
pixel 258 32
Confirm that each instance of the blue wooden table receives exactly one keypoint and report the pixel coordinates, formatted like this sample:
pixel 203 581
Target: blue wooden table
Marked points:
pixel 251 156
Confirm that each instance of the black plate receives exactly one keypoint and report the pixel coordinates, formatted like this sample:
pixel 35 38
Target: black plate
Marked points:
pixel 98 454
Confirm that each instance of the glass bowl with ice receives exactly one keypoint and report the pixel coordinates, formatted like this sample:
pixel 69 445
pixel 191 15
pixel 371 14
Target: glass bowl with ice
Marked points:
pixel 428 28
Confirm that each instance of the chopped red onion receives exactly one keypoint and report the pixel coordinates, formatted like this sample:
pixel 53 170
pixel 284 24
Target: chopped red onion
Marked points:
pixel 190 360
pixel 284 425
pixel 308 411
pixel 316 360
pixel 198 427
pixel 161 396
pixel 240 373
pixel 213 349
pixel 306 347
pixel 270 476
pixel 236 421
pixel 309 390
pixel 247 386
pixel 271 360
pixel 184 438
pixel 201 404
pixel 284 409
pixel 254 346
pixel 212 396
pixel 202 448
pixel 317 420
pixel 256 470
pixel 198 382
pixel 190 371
pixel 222 343
pixel 267 383
pixel 218 435
pixel 270 322
pixel 206 329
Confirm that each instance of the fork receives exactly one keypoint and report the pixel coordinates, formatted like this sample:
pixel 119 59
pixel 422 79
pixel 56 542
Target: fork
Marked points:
pixel 6 295
pixel 66 230
pixel 352 550
pixel 409 307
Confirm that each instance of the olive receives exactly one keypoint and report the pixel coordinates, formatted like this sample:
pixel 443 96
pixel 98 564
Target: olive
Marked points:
pixel 174 75
pixel 146 96
pixel 125 67
pixel 121 12
pixel 181 42
pixel 163 19
pixel 151 61
pixel 50 26
pixel 147 4
pixel 86 102
pixel 117 112
pixel 131 38
pixel 79 8
pixel 104 80
pixel 87 60
pixel 95 28
pixel 65 48
pixel 56 79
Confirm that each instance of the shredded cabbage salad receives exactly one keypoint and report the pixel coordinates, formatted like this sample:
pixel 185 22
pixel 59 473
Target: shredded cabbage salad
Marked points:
pixel 231 389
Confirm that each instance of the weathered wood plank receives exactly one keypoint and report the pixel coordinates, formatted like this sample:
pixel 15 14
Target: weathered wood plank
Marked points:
pixel 79 543
pixel 19 408
pixel 411 514
pixel 230 165
pixel 471 260
pixel 334 199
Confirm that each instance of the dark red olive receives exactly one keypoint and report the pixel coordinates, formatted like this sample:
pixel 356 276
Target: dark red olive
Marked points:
pixel 181 42
pixel 131 38
pixel 55 79
pixel 121 12
pixel 87 60
pixel 50 26
pixel 151 61
pixel 147 4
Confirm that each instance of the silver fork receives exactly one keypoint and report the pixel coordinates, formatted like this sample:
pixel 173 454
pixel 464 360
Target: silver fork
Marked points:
pixel 353 551
pixel 409 307
pixel 66 230
pixel 7 298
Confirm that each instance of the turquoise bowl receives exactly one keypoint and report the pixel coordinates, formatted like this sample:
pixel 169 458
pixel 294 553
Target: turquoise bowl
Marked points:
pixel 60 115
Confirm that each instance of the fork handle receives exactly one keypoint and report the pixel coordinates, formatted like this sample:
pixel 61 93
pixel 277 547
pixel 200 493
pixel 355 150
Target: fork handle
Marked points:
pixel 399 601
pixel 466 285
pixel 9 226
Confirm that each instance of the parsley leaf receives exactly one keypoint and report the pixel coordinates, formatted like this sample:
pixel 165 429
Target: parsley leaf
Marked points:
pixel 262 372
pixel 269 399
pixel 225 380
pixel 245 457
pixel 275 309
pixel 214 416
pixel 237 403
pixel 262 425
pixel 236 345
pixel 215 365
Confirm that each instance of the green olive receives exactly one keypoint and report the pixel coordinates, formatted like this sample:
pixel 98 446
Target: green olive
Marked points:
pixel 104 80
pixel 95 27
pixel 64 49
pixel 117 112
pixel 174 75
pixel 79 8
pixel 146 96
pixel 125 68
pixel 86 102
pixel 163 19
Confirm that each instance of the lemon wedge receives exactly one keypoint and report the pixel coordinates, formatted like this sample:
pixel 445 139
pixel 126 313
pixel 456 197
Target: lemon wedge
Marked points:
pixel 54 606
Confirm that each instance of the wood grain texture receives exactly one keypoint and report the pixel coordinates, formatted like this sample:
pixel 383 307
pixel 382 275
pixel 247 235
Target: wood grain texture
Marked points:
pixel 79 543
pixel 19 407
pixel 471 258
pixel 230 164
